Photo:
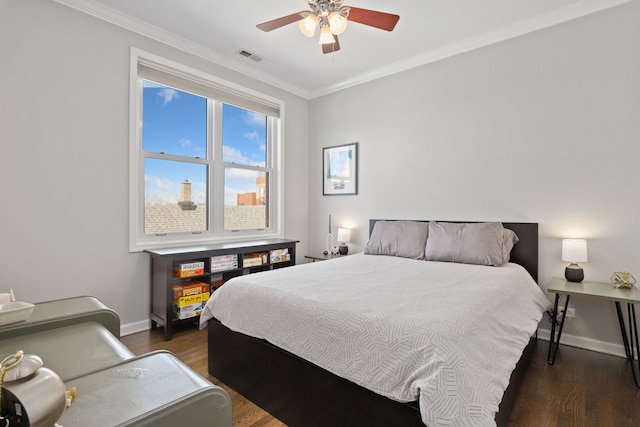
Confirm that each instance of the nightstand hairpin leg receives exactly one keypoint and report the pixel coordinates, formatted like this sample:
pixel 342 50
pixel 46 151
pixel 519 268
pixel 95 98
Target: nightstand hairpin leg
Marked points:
pixel 631 348
pixel 554 342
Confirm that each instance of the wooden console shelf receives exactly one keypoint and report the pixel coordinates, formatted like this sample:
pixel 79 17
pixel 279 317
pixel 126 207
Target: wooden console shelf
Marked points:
pixel 164 260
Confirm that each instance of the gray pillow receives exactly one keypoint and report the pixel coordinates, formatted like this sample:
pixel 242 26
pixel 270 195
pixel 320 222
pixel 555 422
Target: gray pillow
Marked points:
pixel 469 243
pixel 405 239
pixel 509 239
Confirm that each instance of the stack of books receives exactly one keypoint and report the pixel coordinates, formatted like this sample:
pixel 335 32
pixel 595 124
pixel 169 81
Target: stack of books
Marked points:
pixel 189 299
pixel 254 259
pixel 224 262
pixel 279 255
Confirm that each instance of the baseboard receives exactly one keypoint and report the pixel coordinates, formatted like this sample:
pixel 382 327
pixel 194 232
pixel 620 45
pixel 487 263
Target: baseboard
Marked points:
pixel 585 343
pixel 132 328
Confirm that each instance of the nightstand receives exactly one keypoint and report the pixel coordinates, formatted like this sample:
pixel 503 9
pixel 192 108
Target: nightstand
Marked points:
pixel 602 291
pixel 323 257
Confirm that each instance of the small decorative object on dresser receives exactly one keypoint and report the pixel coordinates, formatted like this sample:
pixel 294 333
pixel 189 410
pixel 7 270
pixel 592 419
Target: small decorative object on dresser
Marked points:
pixel 623 279
pixel 574 251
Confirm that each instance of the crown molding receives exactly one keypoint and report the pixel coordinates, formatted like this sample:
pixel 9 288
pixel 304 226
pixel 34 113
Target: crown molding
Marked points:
pixel 105 13
pixel 570 12
pixel 567 13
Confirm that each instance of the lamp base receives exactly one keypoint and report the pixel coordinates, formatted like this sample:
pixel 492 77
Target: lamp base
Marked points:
pixel 574 273
pixel 343 249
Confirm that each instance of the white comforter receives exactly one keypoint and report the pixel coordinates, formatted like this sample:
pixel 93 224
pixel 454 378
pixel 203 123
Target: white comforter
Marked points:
pixel 448 335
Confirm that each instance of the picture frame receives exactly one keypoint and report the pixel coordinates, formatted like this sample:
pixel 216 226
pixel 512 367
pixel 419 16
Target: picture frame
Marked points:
pixel 340 170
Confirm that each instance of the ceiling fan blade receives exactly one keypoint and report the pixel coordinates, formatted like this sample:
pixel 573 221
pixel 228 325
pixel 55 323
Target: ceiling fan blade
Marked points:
pixel 331 47
pixel 281 22
pixel 372 18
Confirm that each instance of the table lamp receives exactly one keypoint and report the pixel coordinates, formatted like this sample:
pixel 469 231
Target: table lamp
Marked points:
pixel 344 237
pixel 574 251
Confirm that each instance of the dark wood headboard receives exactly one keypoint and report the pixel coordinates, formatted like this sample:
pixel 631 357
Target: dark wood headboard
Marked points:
pixel 525 252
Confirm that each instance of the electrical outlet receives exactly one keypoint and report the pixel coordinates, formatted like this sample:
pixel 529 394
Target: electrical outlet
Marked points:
pixel 571 312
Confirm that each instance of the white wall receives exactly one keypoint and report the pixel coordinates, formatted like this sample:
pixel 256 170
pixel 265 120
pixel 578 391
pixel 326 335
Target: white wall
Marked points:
pixel 64 126
pixel 539 128
pixel 542 128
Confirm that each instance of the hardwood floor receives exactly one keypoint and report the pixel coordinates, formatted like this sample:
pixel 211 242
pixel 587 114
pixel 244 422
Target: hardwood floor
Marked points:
pixel 582 389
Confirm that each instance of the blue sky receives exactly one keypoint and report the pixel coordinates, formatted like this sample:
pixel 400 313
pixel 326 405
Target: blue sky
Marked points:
pixel 174 122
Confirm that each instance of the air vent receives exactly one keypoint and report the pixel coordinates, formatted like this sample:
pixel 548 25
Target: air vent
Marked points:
pixel 249 55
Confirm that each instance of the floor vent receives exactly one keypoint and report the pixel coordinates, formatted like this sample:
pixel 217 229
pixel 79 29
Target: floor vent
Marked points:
pixel 247 54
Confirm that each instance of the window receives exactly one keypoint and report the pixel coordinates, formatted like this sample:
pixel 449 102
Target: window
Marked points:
pixel 205 158
pixel 244 153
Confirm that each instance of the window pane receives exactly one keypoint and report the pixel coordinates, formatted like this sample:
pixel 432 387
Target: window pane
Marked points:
pixel 175 196
pixel 244 136
pixel 174 122
pixel 246 199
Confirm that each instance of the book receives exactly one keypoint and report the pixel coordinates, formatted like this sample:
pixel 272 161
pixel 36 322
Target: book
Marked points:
pixel 188 269
pixel 224 262
pixel 279 255
pixel 254 259
pixel 191 299
pixel 188 311
pixel 189 288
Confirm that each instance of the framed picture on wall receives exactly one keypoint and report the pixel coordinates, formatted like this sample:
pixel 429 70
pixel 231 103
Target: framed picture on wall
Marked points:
pixel 340 170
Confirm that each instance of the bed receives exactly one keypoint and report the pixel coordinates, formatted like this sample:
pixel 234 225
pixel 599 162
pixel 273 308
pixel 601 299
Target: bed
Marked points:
pixel 440 362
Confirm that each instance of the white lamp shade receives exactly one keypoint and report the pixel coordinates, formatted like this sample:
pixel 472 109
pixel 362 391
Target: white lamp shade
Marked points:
pixel 574 250
pixel 344 235
pixel 337 23
pixel 308 25
pixel 326 37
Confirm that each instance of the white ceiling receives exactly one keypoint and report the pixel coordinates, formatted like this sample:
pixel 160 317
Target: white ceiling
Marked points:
pixel 428 30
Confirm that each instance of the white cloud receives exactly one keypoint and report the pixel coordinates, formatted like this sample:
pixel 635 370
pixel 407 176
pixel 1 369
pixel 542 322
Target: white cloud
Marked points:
pixel 199 197
pixel 159 191
pixel 252 136
pixel 253 118
pixel 162 191
pixel 199 192
pixel 231 155
pixel 230 196
pixel 199 186
pixel 165 192
pixel 191 148
pixel 159 183
pixel 167 94
pixel 242 177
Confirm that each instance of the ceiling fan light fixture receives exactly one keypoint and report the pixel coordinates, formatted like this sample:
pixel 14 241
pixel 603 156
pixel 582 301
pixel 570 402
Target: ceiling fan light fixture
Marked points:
pixel 337 22
pixel 308 24
pixel 332 18
pixel 326 36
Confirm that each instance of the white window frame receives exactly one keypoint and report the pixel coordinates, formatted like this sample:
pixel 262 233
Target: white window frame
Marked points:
pixel 138 240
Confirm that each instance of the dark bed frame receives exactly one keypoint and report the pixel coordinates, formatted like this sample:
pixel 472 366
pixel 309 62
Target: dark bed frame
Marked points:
pixel 300 393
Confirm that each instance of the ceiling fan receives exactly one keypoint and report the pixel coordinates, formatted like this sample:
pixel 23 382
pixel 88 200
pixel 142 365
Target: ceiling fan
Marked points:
pixel 332 17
